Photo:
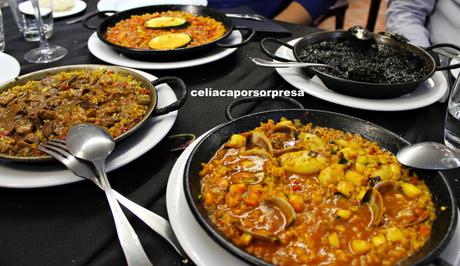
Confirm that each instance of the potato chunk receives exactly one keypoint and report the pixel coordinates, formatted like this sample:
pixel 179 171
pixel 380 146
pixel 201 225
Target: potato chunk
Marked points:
pixel 345 188
pixel 331 174
pixel 394 235
pixel 344 214
pixel 355 178
pixel 236 141
pixel 334 240
pixel 378 240
pixel 360 247
pixel 410 190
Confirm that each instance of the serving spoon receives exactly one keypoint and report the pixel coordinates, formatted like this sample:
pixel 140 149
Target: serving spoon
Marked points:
pixel 429 155
pixel 94 144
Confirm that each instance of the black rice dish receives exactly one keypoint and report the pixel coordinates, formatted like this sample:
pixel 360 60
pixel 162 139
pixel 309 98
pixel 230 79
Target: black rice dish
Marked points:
pixel 372 63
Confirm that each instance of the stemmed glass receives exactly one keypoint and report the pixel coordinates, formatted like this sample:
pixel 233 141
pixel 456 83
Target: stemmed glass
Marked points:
pixel 45 53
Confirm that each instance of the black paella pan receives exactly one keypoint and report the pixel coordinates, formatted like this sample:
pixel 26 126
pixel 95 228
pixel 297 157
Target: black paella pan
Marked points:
pixel 395 43
pixel 175 53
pixel 442 195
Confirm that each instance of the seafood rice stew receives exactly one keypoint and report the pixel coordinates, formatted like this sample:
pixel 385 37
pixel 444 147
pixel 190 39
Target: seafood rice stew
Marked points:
pixel 295 194
pixel 40 110
pixel 134 33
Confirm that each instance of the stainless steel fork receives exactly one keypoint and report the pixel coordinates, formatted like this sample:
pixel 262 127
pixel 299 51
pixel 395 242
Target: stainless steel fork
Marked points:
pixel 58 150
pixel 247 16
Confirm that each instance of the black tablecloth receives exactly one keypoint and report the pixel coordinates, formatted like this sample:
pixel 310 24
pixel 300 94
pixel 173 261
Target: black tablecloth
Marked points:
pixel 72 225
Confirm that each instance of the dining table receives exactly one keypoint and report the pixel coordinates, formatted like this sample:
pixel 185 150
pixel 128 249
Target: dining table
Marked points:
pixel 71 224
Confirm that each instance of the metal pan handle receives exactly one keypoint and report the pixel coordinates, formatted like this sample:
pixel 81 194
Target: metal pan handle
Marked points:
pixel 272 55
pixel 176 84
pixel 449 45
pixel 86 19
pixel 250 35
pixel 232 105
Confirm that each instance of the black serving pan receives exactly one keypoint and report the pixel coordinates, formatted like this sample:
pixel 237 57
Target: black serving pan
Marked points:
pixel 176 53
pixel 357 88
pixel 176 84
pixel 443 226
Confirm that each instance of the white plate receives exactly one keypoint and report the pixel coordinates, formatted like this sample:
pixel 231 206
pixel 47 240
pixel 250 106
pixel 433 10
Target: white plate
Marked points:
pixel 455 72
pixel 425 94
pixel 109 55
pixel 200 247
pixel 121 5
pixel 22 175
pixel 78 7
pixel 9 66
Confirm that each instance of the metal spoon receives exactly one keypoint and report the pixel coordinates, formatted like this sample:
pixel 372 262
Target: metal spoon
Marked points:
pixel 94 144
pixel 58 149
pixel 360 32
pixel 429 155
pixel 266 63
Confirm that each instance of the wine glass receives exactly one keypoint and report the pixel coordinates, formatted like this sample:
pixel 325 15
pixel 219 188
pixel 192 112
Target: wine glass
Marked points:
pixel 45 53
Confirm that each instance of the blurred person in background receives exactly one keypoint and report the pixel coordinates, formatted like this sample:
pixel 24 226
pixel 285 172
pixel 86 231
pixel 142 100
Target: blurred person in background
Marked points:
pixel 425 22
pixel 298 12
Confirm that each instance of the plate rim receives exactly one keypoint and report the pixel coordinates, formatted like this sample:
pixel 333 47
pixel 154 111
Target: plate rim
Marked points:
pixel 13 61
pixel 77 8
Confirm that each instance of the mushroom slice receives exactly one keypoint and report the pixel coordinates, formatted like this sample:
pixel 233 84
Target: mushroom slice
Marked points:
pixel 164 22
pixel 284 128
pixel 374 199
pixel 257 139
pixel 284 208
pixel 170 41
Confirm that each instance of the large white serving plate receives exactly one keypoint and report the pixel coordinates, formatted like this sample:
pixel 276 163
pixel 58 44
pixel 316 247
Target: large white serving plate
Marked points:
pixel 109 55
pixel 26 175
pixel 428 92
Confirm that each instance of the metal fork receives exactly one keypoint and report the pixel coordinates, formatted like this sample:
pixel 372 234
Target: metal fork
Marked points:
pixel 58 150
pixel 247 16
pixel 267 63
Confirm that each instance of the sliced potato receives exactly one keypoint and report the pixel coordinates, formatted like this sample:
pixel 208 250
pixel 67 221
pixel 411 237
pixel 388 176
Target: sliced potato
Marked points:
pixel 165 22
pixel 170 41
pixel 301 162
pixel 332 174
